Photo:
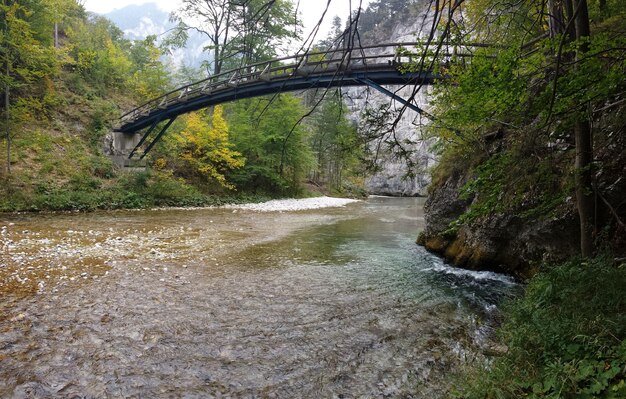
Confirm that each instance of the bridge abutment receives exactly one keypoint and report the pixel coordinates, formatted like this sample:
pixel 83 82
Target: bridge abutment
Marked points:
pixel 118 146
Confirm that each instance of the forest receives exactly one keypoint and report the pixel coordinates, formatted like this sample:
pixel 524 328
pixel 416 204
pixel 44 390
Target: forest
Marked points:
pixel 68 75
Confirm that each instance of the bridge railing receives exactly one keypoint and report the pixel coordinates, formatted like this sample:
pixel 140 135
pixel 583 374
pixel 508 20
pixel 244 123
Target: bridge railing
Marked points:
pixel 336 61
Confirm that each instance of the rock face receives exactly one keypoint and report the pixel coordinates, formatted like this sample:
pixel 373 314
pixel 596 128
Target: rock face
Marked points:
pixel 392 176
pixel 504 243
pixel 513 241
pixel 392 181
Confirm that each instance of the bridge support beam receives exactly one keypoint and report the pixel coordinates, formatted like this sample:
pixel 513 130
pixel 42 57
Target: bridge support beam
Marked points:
pixel 154 141
pixel 143 138
pixel 396 97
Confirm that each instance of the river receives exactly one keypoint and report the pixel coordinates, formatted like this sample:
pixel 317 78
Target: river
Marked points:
pixel 324 303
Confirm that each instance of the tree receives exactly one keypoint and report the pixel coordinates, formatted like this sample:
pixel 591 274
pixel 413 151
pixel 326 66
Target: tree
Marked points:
pixel 149 74
pixel 334 141
pixel 205 150
pixel 274 144
pixel 239 31
pixel 214 18
pixel 583 140
pixel 543 76
pixel 101 54
pixel 263 28
pixel 25 62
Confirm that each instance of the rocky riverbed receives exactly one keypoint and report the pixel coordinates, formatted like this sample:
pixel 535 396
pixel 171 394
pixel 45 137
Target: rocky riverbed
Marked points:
pixel 324 302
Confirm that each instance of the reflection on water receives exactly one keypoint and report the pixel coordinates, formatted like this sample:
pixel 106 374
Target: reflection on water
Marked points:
pixel 324 303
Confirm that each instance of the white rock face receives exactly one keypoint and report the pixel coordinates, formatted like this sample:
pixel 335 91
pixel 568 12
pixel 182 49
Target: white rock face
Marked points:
pixel 392 178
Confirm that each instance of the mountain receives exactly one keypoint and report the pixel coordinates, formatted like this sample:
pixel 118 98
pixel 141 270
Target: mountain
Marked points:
pixel 140 21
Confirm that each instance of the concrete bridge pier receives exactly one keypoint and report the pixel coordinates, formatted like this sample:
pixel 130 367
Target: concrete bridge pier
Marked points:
pixel 118 146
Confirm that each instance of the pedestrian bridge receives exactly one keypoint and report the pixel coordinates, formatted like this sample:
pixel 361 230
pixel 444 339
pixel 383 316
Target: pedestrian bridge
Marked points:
pixel 373 66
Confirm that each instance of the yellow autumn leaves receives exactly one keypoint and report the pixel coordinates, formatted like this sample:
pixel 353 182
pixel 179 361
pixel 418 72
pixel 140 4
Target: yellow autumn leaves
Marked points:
pixel 204 148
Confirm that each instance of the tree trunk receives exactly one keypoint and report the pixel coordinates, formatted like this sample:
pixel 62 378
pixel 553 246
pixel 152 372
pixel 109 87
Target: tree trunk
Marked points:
pixel 584 188
pixel 584 147
pixel 604 8
pixel 569 9
pixel 56 35
pixel 8 119
pixel 555 21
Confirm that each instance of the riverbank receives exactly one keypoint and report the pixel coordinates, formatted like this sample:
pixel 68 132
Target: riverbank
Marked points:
pixel 290 205
pixel 150 190
pixel 565 337
pixel 137 190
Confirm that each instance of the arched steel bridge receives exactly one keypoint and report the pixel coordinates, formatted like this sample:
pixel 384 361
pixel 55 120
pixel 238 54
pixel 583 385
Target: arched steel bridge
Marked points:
pixel 372 66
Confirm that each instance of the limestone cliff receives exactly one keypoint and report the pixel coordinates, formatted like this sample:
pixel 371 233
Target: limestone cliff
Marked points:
pixel 392 176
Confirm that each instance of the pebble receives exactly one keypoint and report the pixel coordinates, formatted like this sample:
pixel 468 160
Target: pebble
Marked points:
pixel 19 317
pixel 294 204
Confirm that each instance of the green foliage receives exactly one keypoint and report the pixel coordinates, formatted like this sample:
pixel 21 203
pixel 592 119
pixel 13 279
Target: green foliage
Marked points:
pixel 274 145
pixel 506 183
pixel 87 191
pixel 27 65
pixel 505 117
pixel 98 54
pixel 335 142
pixel 261 30
pixel 238 33
pixel 201 149
pixel 566 337
pixel 477 95
pixel 149 75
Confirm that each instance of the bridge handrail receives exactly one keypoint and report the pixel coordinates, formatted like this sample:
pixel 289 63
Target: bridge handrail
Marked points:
pixel 265 67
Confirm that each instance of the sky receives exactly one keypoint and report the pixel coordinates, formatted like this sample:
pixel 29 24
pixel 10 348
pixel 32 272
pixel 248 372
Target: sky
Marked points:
pixel 311 10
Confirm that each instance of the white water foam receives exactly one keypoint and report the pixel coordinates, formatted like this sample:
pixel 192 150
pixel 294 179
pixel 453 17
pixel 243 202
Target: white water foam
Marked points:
pixel 480 276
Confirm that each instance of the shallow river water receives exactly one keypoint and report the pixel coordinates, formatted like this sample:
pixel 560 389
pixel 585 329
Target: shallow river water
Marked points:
pixel 325 303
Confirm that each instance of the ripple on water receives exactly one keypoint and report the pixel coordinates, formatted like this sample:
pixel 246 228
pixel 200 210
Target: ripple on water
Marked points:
pixel 316 303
